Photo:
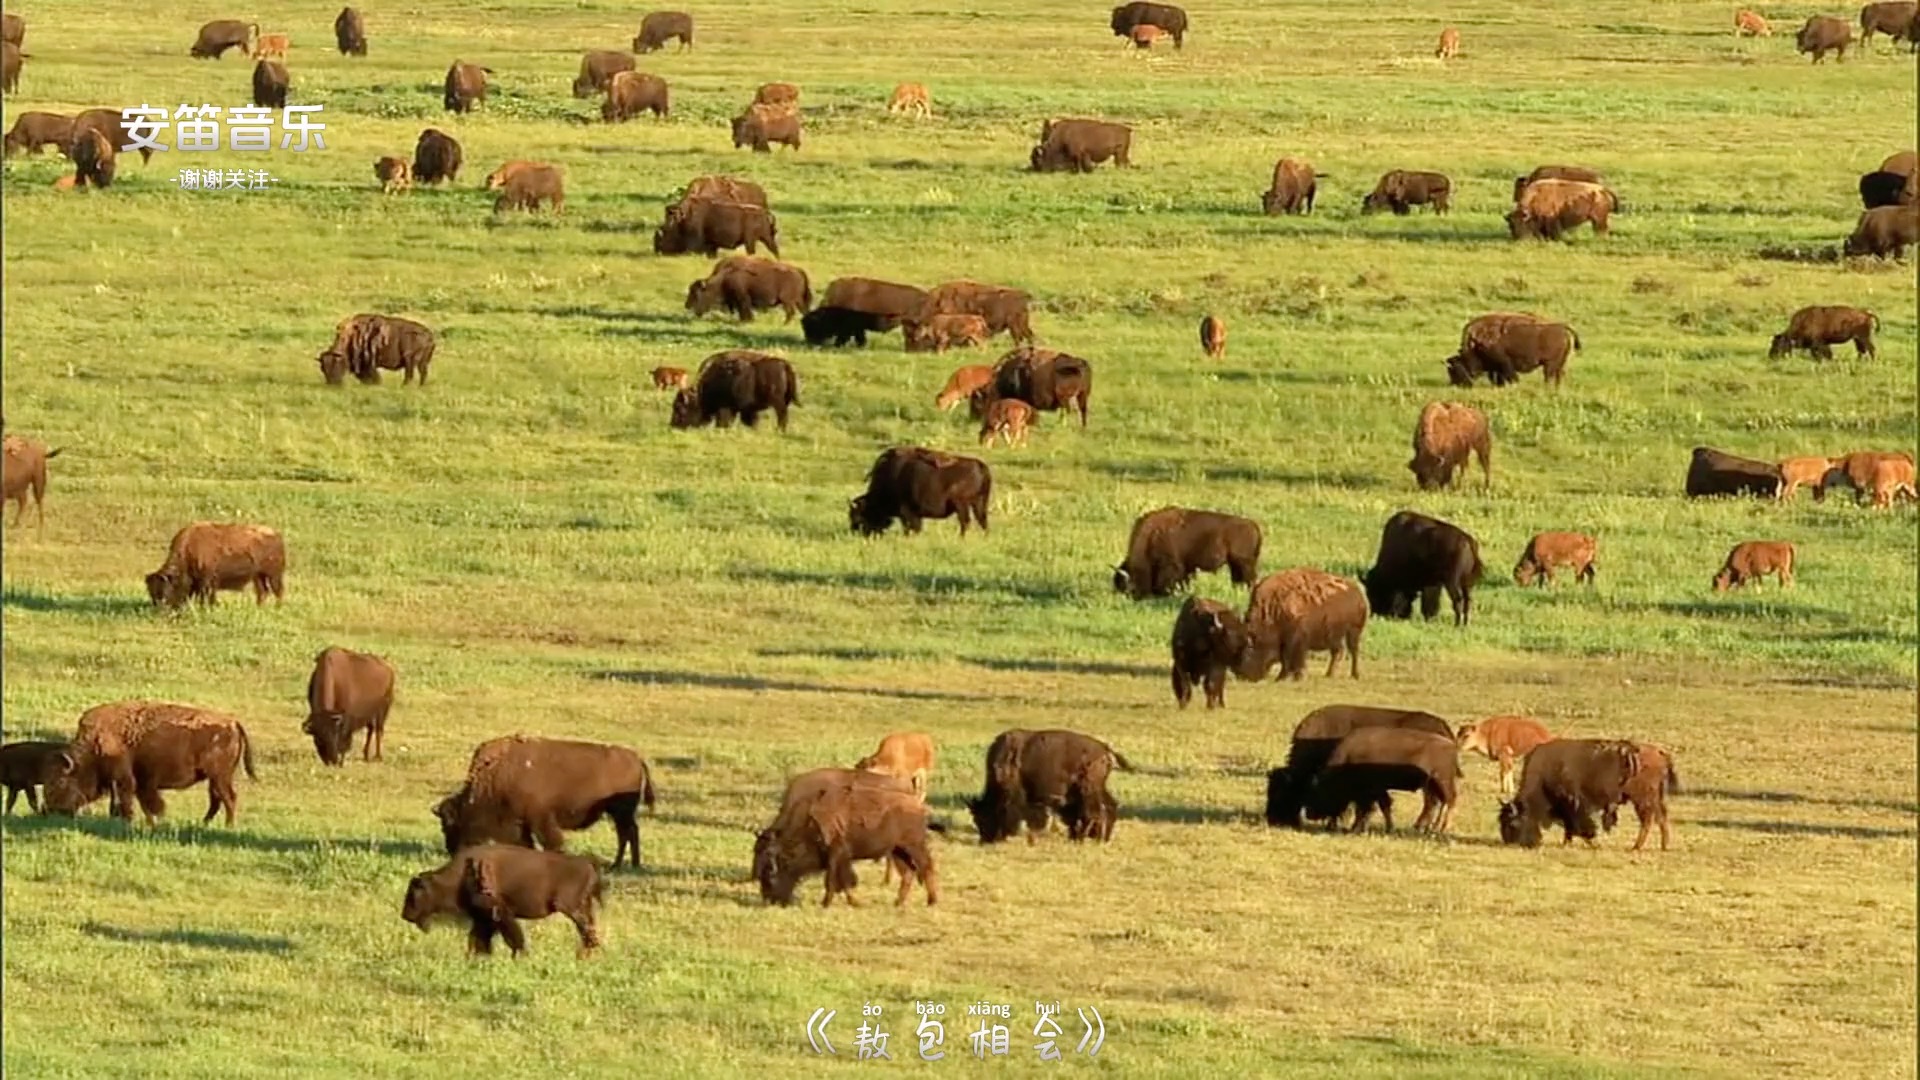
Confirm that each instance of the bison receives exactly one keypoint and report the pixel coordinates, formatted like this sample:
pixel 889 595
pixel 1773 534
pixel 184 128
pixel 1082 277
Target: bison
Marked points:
pixel 890 302
pixel 910 97
pixel 1824 34
pixel 10 60
pixel 1816 329
pixel 707 227
pixel 528 188
pixel 94 159
pixel 660 27
pixel 1892 477
pixel 1213 337
pixel 348 692
pixel 1881 188
pixel 1554 172
pixel 1506 345
pixel 220 35
pixel 436 157
pixel 13 30
pixel 1079 145
pixel 1550 549
pixel 943 332
pixel 1447 434
pixel 1449 46
pixel 838 326
pixel 669 378
pixel 23 473
pixel 1798 472
pixel 520 789
pixel 466 85
pixel 1504 740
pixel 1890 17
pixel 1401 190
pixel 743 285
pixel 1888 230
pixel 831 818
pixel 33 130
pixel 630 93
pixel 1420 556
pixel 205 558
pixel 737 382
pixel 1143 13
pixel 494 885
pixel 904 755
pixel 962 384
pixel 363 344
pixel 1030 773
pixel 393 175
pixel 597 69
pixel 1004 309
pixel 1303 610
pixel 1713 472
pixel 24 766
pixel 913 484
pixel 761 126
pixel 1043 378
pixel 131 751
pixel 350 33
pixel 1858 468
pixel 1371 762
pixel 1750 24
pixel 1209 640
pixel 1567 781
pixel 1008 419
pixel 1169 545
pixel 270 83
pixel 1292 190
pixel 1753 560
pixel 1552 209
pixel 271 45
pixel 114 127
pixel 1314 741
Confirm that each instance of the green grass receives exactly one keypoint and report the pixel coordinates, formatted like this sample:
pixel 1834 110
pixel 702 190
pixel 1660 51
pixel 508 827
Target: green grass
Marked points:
pixel 536 550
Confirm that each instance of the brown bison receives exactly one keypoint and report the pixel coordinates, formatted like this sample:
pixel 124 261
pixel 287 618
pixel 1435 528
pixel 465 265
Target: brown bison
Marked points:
pixel 660 27
pixel 33 130
pixel 527 188
pixel 1882 188
pixel 669 378
pixel 1079 145
pixel 831 818
pixel 114 128
pixel 1550 549
pixel 1303 610
pixel 1892 477
pixel 23 473
pixel 1419 556
pixel 1750 24
pixel 1824 34
pixel 1449 46
pixel 1553 209
pixel 350 33
pixel 466 85
pixel 1753 560
pixel 220 35
pixel 943 332
pixel 131 751
pixel 1713 472
pixel 1292 190
pixel 1045 379
pixel 778 94
pixel 1169 545
pixel 13 30
pixel 205 558
pixel 24 766
pixel 1889 230
pixel 914 484
pixel 1143 36
pixel 1371 762
pixel 1889 17
pixel 1209 640
pixel 737 382
pixel 597 69
pixel 1555 172
pixel 1446 436
pixel 393 175
pixel 1857 469
pixel 1567 781
pixel 1816 329
pixel 436 157
pixel 1314 741
pixel 904 755
pixel 890 301
pixel 1143 13
pixel 911 97
pixel 743 284
pixel 1032 773
pixel 363 344
pixel 1506 345
pixel 1799 472
pixel 838 326
pixel 962 384
pixel 1004 309
pixel 520 789
pixel 761 126
pixel 630 93
pixel 1904 162
pixel 706 227
pixel 1401 190
pixel 1505 740
pixel 271 45
pixel 495 885
pixel 1008 419
pixel 270 83
pixel 94 159
pixel 348 692
pixel 1213 337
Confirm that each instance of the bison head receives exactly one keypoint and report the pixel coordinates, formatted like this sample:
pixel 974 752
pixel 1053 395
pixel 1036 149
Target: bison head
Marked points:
pixel 1270 201
pixel 168 587
pixel 1524 574
pixel 1517 827
pixel 700 298
pixel 742 130
pixel 867 517
pixel 426 898
pixel 1723 580
pixel 1122 580
pixel 69 786
pixel 686 410
pixel 451 812
pixel 333 366
pixel 766 869
pixel 1857 244
pixel 332 736
pixel 994 820
pixel 1461 370
pixel 1038 159
pixel 1782 345
pixel 669 239
pixel 1427 471
pixel 1283 800
pixel 1374 202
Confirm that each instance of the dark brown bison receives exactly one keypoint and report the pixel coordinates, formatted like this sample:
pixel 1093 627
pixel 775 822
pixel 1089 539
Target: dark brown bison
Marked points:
pixel 1292 190
pixel 838 326
pixel 1889 230
pixel 350 33
pixel 1169 545
pixel 270 84
pixel 1889 17
pixel 1883 188
pixel 1555 172
pixel 1079 145
pixel 94 160
pixel 888 301
pixel 131 751
pixel 742 284
pixel 1824 34
pixel 913 484
pixel 831 818
pixel 1167 17
pixel 1004 309
pixel 10 60
pixel 1045 379
pixel 1447 435
pixel 113 126
pixel 1371 762
pixel 1712 472
pixel 527 188
pixel 763 125
pixel 33 130
pixel 660 27
pixel 1550 549
pixel 220 35
pixel 205 558
pixel 436 157
pixel 630 93
pixel 495 885
pixel 597 69
pixel 706 227
pixel 363 344
pixel 1567 781
pixel 1420 556
pixel 1553 209
pixel 1816 329
pixel 348 692
pixel 23 474
pixel 466 86
pixel 1032 773
pixel 24 766
pixel 520 789
pixel 737 382
pixel 1314 740
pixel 1506 345
pixel 1209 640
pixel 1401 190
pixel 1300 611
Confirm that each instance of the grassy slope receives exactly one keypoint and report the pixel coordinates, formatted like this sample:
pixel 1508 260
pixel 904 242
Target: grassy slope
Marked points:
pixel 536 551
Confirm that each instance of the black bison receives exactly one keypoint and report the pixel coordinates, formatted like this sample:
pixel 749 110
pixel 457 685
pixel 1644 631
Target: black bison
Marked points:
pixel 1553 209
pixel 742 284
pixel 350 33
pixel 363 344
pixel 1373 761
pixel 1419 556
pixel 1445 438
pixel 495 885
pixel 131 751
pixel 707 227
pixel 348 692
pixel 597 69
pixel 660 27
pixel 1889 230
pixel 1032 773
pixel 1045 379
pixel 1003 308
pixel 24 766
pixel 1713 472
pixel 1079 145
pixel 1817 329
pixel 1401 190
pixel 1299 611
pixel 1823 34
pixel 1314 741
pixel 839 325
pixel 831 818
pixel 270 83
pixel 737 382
pixel 1567 781
pixel 466 86
pixel 32 131
pixel 630 93
pixel 1882 188
pixel 1292 189
pixel 220 35
pixel 205 558
pixel 1169 545
pixel 886 300
pixel 1209 640
pixel 913 484
pixel 1167 17
pixel 1554 172
pixel 1505 345
pixel 521 789
pixel 763 125
pixel 436 157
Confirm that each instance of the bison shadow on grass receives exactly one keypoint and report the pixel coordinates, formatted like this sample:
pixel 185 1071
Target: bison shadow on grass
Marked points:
pixel 223 940
pixel 758 684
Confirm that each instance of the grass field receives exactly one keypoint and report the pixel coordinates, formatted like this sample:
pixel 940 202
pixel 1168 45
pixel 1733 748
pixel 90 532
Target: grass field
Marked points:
pixel 536 551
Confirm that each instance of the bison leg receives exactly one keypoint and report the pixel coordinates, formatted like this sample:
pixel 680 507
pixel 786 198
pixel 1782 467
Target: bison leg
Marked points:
pixel 13 795
pixel 151 804
pixel 1462 603
pixel 901 859
pixel 1863 346
pixel 582 918
pixel 1182 693
pixel 1216 687
pixel 1430 602
pixel 627 827
pixel 1333 659
pixel 509 926
pixel 780 417
pixel 548 831
pixel 1822 351
pixel 1646 816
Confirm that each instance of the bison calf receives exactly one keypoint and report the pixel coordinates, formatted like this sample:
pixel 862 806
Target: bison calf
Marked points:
pixel 962 384
pixel 1748 562
pixel 393 174
pixel 1550 549
pixel 669 378
pixel 1209 640
pixel 495 885
pixel 1504 740
pixel 24 766
pixel 1008 419
pixel 838 326
pixel 1213 337
pixel 1817 329
pixel 905 755
pixel 1373 761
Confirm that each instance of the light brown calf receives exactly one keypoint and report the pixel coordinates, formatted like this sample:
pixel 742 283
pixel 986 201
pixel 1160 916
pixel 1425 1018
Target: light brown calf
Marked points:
pixel 1449 44
pixel 1213 337
pixel 1550 549
pixel 942 332
pixel 911 97
pixel 777 93
pixel 907 755
pixel 1892 477
pixel 1651 780
pixel 1753 560
pixel 1144 35
pixel 393 174
pixel 1750 24
pixel 1008 418
pixel 1504 740
pixel 961 385
pixel 669 378
pixel 271 45
pixel 1856 469
pixel 1798 472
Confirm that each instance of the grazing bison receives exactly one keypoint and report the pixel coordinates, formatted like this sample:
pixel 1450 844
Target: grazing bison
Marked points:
pixel 913 484
pixel 889 301
pixel 1419 556
pixel 94 160
pixel 205 558
pixel 831 818
pixel 1209 640
pixel 1007 419
pixel 494 885
pixel 630 93
pixel 113 127
pixel 1553 209
pixel 1555 172
pixel 1816 329
pixel 1889 230
pixel 220 35
pixel 597 69
pixel 1042 378
pixel 270 83
pixel 529 187
pixel 365 343
pixel 1314 740
pixel 1824 34
pixel 1506 345
pixel 23 472
pixel 33 130
pixel 943 332
pixel 131 751
pixel 1750 24
pixel 904 755
pixel 707 227
pixel 1447 434
pixel 1504 740
pixel 1169 545
pixel 1567 781
pixel 1449 46
pixel 1401 190
pixel 1890 17
pixel 466 85
pixel 1303 610
pixel 1798 472
pixel 392 174
pixel 520 789
pixel 1550 549
pixel 1292 190
pixel 911 97
pixel 962 384
pixel 1857 469
pixel 10 59
pixel 838 326
pixel 1881 188
pixel 350 33
pixel 436 157
pixel 1079 145
pixel 737 382
pixel 1753 560
pixel 1371 762
pixel 761 126
pixel 1213 337
pixel 1713 472
pixel 743 284
pixel 348 692
pixel 24 766
pixel 660 27
pixel 1030 773
pixel 1167 17
pixel 1004 309
pixel 669 378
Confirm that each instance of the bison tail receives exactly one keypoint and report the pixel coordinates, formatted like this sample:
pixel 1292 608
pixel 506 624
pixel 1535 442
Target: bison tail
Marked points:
pixel 646 787
pixel 1121 761
pixel 937 826
pixel 1673 777
pixel 246 753
pixel 55 452
pixel 1575 334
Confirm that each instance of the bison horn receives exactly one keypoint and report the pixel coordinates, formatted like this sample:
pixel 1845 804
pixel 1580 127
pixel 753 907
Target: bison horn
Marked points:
pixel 67 764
